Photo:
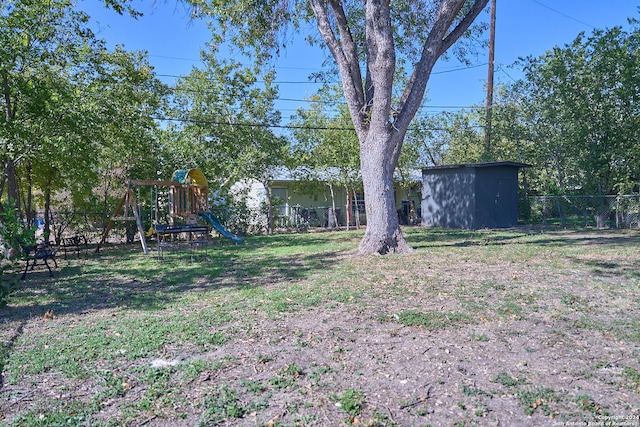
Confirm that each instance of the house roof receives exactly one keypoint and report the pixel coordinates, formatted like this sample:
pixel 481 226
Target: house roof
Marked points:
pixel 285 174
pixel 477 165
pixel 301 172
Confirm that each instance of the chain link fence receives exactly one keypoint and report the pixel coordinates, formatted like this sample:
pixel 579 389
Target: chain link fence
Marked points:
pixel 582 211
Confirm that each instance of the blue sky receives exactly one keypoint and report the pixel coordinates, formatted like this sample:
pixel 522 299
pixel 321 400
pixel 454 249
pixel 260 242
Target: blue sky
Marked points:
pixel 523 28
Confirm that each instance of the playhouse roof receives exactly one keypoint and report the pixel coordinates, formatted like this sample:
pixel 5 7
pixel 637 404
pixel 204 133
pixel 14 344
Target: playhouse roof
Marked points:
pixel 190 177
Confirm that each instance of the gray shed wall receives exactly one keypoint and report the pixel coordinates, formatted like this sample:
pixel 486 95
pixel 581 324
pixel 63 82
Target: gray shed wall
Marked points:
pixel 496 197
pixel 448 198
pixel 470 196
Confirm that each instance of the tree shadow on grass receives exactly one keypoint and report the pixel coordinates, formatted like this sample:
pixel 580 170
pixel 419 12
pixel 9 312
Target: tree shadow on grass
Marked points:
pixel 522 236
pixel 440 237
pixel 622 267
pixel 126 278
pixel 122 277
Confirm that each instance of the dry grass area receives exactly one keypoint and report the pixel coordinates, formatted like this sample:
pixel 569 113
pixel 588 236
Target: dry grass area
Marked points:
pixel 513 328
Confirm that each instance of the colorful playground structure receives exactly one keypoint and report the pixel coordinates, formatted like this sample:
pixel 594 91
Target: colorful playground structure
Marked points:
pixel 187 212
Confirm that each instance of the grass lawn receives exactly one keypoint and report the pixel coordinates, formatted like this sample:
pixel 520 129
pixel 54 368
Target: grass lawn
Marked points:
pixel 510 328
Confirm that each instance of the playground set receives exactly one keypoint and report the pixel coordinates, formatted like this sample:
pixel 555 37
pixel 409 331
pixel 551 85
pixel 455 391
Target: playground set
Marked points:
pixel 188 210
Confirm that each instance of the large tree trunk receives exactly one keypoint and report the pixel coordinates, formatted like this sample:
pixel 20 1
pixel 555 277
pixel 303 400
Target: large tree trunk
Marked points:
pixel 383 234
pixel 380 126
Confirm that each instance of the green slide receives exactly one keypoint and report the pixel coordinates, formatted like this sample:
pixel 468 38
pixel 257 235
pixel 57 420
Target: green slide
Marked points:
pixel 224 231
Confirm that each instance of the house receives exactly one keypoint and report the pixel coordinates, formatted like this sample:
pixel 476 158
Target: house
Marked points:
pixel 471 196
pixel 300 201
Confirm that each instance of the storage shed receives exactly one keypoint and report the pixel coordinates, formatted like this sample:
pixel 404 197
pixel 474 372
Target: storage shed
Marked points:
pixel 471 196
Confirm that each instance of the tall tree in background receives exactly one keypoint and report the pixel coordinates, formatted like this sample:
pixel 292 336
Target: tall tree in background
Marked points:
pixel 582 105
pixel 39 43
pixel 575 117
pixel 225 116
pixel 458 136
pixel 453 137
pixel 366 40
pixel 119 121
pixel 71 108
pixel 325 149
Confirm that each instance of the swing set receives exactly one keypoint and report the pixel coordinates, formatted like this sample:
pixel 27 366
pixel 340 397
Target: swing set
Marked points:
pixel 188 200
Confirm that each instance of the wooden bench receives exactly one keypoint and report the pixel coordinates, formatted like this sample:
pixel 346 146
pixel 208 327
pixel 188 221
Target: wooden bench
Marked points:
pixel 34 253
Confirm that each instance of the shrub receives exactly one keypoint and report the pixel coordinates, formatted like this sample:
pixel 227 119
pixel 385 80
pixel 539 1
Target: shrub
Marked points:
pixel 13 235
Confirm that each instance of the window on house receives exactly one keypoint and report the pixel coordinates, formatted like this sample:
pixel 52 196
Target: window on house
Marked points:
pixel 279 201
pixel 357 202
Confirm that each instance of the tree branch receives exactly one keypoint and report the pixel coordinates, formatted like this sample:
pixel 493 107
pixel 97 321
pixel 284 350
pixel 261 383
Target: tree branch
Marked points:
pixel 381 58
pixel 368 92
pixel 348 45
pixel 436 44
pixel 464 25
pixel 343 51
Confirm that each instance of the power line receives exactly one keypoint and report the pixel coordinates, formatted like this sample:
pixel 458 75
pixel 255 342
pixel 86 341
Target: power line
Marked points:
pixel 257 81
pixel 200 60
pixel 453 70
pixel 563 14
pixel 273 126
pixel 468 67
pixel 258 125
pixel 343 103
pixel 174 57
pixel 338 103
pixel 501 69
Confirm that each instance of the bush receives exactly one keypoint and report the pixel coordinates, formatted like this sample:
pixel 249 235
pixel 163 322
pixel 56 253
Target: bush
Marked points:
pixel 7 279
pixel 13 236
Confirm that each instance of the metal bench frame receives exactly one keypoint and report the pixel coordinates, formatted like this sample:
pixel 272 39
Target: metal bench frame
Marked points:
pixel 42 252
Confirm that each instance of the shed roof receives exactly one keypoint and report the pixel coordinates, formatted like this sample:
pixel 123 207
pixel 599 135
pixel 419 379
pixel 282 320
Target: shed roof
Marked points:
pixel 477 165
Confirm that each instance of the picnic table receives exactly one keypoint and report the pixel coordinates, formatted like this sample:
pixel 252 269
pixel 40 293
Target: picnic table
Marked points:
pixel 192 231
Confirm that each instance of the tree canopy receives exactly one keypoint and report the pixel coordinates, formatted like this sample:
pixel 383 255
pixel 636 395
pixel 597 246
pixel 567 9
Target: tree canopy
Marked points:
pixel 582 103
pixel 574 116
pixel 370 43
pixel 71 107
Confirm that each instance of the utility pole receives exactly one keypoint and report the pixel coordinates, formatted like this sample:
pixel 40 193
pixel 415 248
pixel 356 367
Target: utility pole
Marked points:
pixel 489 104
